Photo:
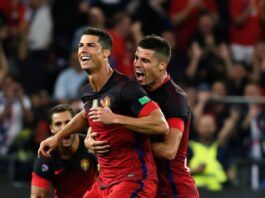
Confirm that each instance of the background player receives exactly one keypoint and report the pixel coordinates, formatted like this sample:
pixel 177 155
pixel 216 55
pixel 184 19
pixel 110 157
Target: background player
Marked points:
pixel 71 169
pixel 128 169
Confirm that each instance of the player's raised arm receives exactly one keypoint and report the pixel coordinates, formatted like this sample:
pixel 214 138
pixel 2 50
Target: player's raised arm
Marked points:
pixel 77 124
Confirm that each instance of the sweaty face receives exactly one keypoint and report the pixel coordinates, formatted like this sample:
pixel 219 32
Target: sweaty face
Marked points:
pixel 146 67
pixel 90 53
pixel 59 120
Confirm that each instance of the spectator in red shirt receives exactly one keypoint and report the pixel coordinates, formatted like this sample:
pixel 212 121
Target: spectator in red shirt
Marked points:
pixel 246 29
pixel 121 32
pixel 184 15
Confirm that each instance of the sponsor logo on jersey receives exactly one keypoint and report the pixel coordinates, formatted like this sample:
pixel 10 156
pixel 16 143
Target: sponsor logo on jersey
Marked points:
pixel 84 164
pixel 56 172
pixel 144 100
pixel 44 168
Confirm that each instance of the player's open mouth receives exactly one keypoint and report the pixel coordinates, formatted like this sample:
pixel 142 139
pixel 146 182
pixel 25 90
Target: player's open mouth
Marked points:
pixel 85 58
pixel 139 75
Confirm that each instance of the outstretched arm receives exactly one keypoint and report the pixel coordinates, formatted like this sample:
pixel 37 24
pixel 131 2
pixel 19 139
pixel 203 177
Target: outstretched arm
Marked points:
pixel 77 124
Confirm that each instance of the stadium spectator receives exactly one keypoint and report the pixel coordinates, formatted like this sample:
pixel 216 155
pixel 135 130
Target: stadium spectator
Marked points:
pixel 207 156
pixel 15 109
pixel 184 16
pixel 247 17
pixel 69 81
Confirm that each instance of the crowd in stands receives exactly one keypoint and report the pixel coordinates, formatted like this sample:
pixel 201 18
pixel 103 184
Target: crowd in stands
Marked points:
pixel 218 50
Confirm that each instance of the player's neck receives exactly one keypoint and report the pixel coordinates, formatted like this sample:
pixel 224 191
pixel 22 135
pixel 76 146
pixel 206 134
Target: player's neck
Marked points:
pixel 67 152
pixel 206 141
pixel 100 78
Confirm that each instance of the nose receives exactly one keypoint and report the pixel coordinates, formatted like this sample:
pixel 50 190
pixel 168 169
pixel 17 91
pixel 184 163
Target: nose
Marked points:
pixel 136 63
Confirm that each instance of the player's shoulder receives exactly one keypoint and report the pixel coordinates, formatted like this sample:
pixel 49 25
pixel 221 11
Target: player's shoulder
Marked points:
pixel 176 92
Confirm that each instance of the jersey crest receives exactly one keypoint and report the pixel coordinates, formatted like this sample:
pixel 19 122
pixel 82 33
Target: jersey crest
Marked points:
pixel 84 164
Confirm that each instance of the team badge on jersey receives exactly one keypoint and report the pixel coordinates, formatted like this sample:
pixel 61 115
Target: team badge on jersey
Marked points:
pixel 107 101
pixel 84 164
pixel 144 100
pixel 95 103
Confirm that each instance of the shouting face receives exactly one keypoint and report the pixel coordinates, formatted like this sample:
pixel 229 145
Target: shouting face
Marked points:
pixel 59 120
pixel 147 67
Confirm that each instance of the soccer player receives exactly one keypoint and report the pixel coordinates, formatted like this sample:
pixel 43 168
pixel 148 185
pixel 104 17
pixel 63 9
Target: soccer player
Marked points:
pixel 150 64
pixel 71 169
pixel 128 170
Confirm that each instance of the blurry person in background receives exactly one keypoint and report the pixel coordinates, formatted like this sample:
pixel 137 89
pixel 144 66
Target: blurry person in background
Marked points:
pixel 207 155
pixel 258 69
pixel 69 81
pixel 122 50
pixel 247 20
pixel 71 170
pixel 15 111
pixel 184 16
pixel 209 103
pixel 36 39
pixel 14 17
pixel 4 67
pixel 252 125
pixel 95 18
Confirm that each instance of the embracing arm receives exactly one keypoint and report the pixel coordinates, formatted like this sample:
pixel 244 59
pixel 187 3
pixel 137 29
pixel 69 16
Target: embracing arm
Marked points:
pixel 168 148
pixel 153 123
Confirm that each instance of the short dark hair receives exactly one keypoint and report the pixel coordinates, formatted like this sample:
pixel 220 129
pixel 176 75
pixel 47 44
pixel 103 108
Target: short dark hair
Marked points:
pixel 156 43
pixel 104 37
pixel 59 109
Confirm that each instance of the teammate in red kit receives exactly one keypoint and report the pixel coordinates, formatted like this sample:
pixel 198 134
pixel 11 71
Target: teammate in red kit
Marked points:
pixel 128 169
pixel 71 169
pixel 150 63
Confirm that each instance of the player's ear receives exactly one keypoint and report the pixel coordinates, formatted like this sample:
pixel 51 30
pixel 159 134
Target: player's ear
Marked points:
pixel 163 65
pixel 106 53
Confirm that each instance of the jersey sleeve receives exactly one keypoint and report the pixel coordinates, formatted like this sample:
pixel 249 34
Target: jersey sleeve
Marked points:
pixel 135 98
pixel 43 168
pixel 41 174
pixel 177 107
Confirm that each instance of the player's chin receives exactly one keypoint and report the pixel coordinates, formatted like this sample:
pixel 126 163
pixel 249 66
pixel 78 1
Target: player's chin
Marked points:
pixel 141 82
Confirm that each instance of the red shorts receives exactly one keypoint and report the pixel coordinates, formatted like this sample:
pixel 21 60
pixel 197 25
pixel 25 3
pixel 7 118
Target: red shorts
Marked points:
pixel 124 189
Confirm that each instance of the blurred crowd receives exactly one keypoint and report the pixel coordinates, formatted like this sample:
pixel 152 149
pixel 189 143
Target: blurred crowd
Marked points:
pixel 218 50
